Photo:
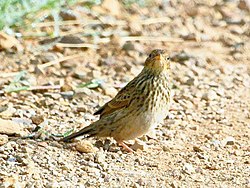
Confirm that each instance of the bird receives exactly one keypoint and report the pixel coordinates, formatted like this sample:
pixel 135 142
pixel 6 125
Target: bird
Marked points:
pixel 138 107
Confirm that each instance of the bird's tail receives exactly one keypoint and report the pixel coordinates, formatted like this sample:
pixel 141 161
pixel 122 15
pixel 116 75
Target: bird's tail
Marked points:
pixel 85 131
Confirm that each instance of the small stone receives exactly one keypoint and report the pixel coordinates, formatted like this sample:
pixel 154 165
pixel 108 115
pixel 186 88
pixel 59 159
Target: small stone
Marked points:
pixel 100 157
pixel 197 149
pixel 190 81
pixel 211 95
pixel 128 46
pixel 67 94
pixel 66 87
pixel 8 112
pixel 188 168
pixel 110 91
pixel 68 15
pixel 9 127
pixel 166 148
pixel 139 145
pixel 38 119
pixel 81 108
pixel 85 147
pixel 180 57
pixel 53 95
pixel 244 5
pixel 220 92
pixel 79 73
pixel 174 184
pixel 113 7
pixel 47 57
pixel 228 141
pixel 3 139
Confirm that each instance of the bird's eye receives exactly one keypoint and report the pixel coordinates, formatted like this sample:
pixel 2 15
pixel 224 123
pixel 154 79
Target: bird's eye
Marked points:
pixel 168 58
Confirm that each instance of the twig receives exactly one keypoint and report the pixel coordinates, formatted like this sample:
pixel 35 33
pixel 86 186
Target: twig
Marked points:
pixel 81 45
pixel 144 38
pixel 42 66
pixel 149 38
pixel 155 20
pixel 32 88
pixel 93 22
pixel 80 22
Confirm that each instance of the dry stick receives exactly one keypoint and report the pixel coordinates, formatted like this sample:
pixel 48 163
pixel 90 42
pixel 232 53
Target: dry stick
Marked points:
pixel 41 67
pixel 150 38
pixel 32 88
pixel 79 22
pixel 145 38
pixel 155 20
pixel 136 38
pixel 116 22
pixel 81 45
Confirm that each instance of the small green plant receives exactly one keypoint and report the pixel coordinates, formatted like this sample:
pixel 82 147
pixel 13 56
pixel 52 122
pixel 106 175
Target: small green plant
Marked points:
pixel 14 12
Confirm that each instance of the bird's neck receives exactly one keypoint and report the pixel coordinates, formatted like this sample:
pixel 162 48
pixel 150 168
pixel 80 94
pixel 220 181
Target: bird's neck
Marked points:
pixel 155 72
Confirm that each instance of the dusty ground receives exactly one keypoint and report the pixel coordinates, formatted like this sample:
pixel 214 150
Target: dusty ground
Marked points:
pixel 204 142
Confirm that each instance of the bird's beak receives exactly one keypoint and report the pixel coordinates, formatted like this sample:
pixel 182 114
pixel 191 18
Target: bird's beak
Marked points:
pixel 158 57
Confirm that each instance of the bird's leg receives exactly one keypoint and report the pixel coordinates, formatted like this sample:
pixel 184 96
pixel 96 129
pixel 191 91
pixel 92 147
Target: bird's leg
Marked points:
pixel 125 147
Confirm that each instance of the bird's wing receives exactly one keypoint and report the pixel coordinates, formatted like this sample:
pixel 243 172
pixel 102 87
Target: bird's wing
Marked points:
pixel 121 100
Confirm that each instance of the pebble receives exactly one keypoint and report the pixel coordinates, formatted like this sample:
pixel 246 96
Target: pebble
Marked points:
pixel 85 146
pixel 67 94
pixel 37 119
pixel 3 139
pixel 211 95
pixel 228 141
pixel 197 149
pixel 80 74
pixel 138 145
pixel 10 128
pixel 108 90
pixel 188 168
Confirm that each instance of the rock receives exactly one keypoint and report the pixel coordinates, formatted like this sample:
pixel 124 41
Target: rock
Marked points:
pixel 190 81
pixel 228 141
pixel 139 145
pixel 81 108
pixel 79 73
pixel 244 5
pixel 68 15
pixel 48 57
pixel 197 149
pixel 10 128
pixel 220 91
pixel 128 46
pixel 8 112
pixel 66 87
pixel 188 168
pixel 174 184
pixel 67 94
pixel 210 95
pixel 85 146
pixel 180 57
pixel 108 90
pixel 3 139
pixel 52 95
pixel 100 157
pixel 112 6
pixel 38 119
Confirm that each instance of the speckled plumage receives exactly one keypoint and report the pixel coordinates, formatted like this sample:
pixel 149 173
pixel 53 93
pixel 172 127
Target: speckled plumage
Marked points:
pixel 138 107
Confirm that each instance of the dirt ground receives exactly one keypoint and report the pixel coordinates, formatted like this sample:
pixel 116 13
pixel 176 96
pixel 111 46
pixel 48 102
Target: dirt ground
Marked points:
pixel 204 141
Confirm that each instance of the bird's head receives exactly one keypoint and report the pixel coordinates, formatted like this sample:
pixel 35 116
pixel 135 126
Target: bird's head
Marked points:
pixel 158 61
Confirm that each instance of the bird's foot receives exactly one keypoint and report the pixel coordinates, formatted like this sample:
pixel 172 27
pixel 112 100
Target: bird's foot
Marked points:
pixel 125 147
